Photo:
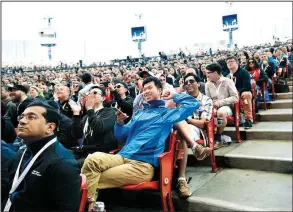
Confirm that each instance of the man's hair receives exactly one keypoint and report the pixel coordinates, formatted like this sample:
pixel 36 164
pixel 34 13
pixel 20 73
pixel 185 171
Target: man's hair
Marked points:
pixel 156 81
pixel 232 57
pixel 86 77
pixel 214 67
pixel 103 92
pixel 197 79
pixel 223 64
pixel 51 115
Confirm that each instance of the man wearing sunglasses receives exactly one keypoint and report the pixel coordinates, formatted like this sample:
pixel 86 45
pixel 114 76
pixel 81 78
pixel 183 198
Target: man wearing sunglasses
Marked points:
pixel 44 175
pixel 96 128
pixel 145 137
pixel 122 98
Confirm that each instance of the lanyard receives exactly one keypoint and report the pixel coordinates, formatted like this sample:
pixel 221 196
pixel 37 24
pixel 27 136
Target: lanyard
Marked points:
pixel 17 180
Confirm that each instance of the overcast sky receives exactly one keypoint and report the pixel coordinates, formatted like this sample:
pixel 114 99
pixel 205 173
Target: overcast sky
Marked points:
pixel 100 30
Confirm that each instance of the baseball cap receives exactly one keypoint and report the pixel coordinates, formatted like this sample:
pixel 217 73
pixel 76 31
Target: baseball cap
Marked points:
pixel 144 71
pixel 19 87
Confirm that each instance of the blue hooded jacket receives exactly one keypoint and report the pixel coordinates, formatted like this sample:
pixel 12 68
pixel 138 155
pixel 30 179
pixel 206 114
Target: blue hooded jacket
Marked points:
pixel 148 129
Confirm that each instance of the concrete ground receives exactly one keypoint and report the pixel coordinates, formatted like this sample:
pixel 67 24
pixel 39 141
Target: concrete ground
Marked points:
pixel 227 190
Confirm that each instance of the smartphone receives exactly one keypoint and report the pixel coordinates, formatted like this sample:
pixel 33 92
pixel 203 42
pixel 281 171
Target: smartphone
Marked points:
pixel 114 106
pixel 106 84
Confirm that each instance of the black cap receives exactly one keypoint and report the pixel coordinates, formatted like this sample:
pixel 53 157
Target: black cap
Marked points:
pixel 125 85
pixel 144 71
pixel 19 87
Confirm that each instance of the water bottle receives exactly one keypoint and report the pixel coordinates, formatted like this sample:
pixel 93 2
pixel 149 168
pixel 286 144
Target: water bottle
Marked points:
pixel 99 207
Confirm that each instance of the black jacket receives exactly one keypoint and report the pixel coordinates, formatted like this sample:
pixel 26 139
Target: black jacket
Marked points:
pixel 8 104
pixel 53 182
pixel 102 126
pixel 65 109
pixel 269 70
pixel 242 79
pixel 131 90
pixel 64 132
pixel 7 157
pixel 16 110
pixel 125 105
pixel 7 130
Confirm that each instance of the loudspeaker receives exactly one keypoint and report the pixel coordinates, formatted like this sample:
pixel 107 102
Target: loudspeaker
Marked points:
pixel 80 63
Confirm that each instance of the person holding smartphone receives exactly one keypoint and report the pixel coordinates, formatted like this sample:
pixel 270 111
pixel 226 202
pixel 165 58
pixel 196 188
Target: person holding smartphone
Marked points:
pixel 96 127
pixel 122 98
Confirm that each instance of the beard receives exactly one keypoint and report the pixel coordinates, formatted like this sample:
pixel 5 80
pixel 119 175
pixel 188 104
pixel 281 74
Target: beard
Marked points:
pixel 16 98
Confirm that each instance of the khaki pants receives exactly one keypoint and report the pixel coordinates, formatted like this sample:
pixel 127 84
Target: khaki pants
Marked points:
pixel 247 107
pixel 110 171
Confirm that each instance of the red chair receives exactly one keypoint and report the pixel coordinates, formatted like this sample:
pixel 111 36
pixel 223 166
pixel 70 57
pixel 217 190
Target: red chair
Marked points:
pixel 167 162
pixel 273 87
pixel 263 93
pixel 235 120
pixel 83 190
pixel 210 131
pixel 253 100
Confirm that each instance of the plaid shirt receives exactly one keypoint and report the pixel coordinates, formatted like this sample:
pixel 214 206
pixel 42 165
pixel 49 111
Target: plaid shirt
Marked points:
pixel 206 108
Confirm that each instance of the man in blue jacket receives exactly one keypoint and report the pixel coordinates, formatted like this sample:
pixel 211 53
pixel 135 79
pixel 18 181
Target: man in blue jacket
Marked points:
pixel 145 136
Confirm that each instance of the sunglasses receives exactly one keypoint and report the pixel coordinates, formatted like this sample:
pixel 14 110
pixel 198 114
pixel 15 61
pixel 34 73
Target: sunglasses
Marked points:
pixel 118 86
pixel 94 92
pixel 162 80
pixel 191 81
pixel 251 62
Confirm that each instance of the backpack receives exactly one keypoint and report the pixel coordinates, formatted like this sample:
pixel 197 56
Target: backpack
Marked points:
pixel 281 85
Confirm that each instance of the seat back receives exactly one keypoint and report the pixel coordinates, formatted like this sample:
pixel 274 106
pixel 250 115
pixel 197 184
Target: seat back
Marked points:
pixel 83 191
pixel 210 129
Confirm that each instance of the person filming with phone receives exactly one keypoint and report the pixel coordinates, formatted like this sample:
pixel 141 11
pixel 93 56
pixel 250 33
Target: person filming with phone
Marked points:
pixel 96 127
pixel 121 96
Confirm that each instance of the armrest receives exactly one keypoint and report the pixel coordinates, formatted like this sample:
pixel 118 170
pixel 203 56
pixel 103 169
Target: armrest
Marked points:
pixel 163 155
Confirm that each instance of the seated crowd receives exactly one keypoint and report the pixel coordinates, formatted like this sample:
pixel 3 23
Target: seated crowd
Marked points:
pixel 56 125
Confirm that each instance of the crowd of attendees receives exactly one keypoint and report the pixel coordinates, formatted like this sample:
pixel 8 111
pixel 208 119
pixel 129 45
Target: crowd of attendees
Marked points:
pixel 129 104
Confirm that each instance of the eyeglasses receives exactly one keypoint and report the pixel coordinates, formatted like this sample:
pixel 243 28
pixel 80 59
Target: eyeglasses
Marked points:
pixel 118 86
pixel 29 117
pixel 191 81
pixel 162 80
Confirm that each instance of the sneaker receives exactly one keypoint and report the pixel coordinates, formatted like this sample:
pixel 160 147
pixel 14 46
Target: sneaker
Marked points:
pixel 226 140
pixel 247 124
pixel 183 189
pixel 201 152
pixel 218 145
